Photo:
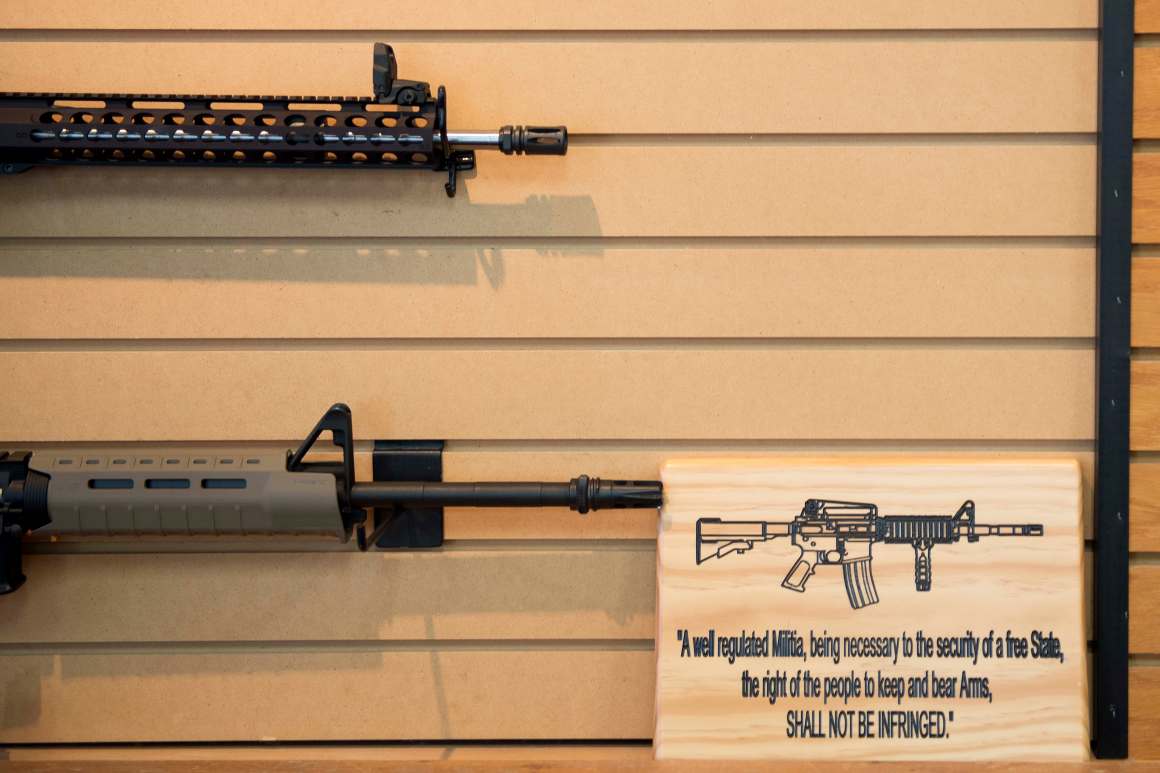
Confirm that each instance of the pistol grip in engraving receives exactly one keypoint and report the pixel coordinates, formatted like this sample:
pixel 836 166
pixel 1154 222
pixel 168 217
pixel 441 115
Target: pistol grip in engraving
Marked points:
pixel 799 573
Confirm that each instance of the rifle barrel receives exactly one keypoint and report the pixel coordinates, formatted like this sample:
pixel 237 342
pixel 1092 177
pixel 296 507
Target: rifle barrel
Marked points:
pixel 483 140
pixel 515 140
pixel 581 494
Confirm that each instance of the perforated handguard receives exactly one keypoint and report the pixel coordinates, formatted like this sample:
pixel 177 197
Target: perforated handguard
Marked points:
pixel 401 126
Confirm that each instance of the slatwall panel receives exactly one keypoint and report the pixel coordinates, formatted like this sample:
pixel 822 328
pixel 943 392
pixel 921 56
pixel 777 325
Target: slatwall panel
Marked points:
pixel 783 227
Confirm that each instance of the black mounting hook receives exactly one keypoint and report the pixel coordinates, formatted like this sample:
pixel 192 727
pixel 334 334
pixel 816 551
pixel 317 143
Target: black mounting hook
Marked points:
pixel 456 160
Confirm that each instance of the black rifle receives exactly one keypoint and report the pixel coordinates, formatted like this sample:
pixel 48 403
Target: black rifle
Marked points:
pixel 241 491
pixel 400 127
pixel 831 532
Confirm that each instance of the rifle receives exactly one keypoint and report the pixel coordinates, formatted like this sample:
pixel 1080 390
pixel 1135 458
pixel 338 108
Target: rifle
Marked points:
pixel 243 491
pixel 833 532
pixel 400 127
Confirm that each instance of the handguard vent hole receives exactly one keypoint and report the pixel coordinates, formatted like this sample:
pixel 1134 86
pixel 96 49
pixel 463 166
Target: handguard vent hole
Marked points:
pixel 111 483
pixel 167 483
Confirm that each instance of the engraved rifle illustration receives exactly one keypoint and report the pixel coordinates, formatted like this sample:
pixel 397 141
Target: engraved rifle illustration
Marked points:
pixel 833 532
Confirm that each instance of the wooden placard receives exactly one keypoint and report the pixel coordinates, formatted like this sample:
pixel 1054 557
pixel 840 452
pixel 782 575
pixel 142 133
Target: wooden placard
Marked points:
pixel 859 662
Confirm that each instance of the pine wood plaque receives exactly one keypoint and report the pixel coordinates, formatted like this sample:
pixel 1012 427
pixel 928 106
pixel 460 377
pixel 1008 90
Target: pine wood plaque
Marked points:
pixel 875 609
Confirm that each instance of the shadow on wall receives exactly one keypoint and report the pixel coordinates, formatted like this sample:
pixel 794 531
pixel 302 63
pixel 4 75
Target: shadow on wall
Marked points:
pixel 20 688
pixel 341 227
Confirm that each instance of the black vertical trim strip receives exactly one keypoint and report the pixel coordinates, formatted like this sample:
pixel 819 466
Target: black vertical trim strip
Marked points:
pixel 1113 350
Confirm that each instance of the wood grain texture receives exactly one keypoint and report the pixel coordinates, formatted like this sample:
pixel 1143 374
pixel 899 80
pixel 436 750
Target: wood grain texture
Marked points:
pixel 1147 16
pixel 746 189
pixel 1146 198
pixel 583 289
pixel 1143 712
pixel 1146 95
pixel 823 86
pixel 584 592
pixel 339 693
pixel 1145 423
pixel 1144 590
pixel 1144 507
pixel 532 15
pixel 1145 302
pixel 638 390
pixel 1012 584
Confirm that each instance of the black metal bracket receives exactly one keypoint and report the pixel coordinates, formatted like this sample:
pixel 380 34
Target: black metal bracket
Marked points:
pixel 408 527
pixel 456 161
pixel 1113 352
